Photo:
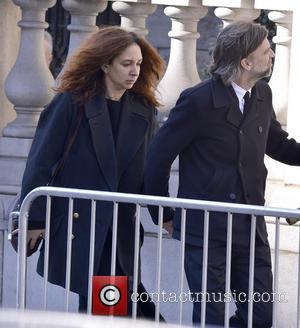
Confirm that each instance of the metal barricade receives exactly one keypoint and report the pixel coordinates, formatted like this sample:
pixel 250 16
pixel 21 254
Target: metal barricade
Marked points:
pixel 33 319
pixel 161 202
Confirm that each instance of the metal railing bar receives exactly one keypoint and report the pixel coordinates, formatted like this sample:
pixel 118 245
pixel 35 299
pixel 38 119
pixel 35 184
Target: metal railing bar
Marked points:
pixel 114 240
pixel 46 258
pixel 159 257
pixel 276 270
pixel 136 258
pixel 69 254
pixel 154 235
pixel 182 256
pixel 251 270
pixel 164 201
pixel 228 267
pixel 204 267
pixel 91 255
pixel 22 261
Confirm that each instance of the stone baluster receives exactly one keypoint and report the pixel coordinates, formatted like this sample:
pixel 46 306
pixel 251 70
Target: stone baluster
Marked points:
pixel 83 19
pixel 279 81
pixel 182 69
pixel 28 85
pixel 229 15
pixel 10 41
pixel 134 15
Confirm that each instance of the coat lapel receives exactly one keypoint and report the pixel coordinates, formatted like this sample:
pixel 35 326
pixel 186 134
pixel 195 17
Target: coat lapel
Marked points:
pixel 223 97
pixel 234 115
pixel 102 137
pixel 132 129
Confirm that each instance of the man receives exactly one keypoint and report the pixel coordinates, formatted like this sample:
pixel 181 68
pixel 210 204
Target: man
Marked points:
pixel 221 140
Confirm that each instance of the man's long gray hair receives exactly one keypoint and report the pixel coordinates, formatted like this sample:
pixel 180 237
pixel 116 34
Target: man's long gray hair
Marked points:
pixel 235 42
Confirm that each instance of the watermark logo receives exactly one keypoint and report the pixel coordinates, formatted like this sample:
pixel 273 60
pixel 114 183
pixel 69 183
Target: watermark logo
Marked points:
pixel 110 295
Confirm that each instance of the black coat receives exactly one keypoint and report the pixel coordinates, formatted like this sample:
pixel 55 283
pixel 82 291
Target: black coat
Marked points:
pixel 221 155
pixel 94 163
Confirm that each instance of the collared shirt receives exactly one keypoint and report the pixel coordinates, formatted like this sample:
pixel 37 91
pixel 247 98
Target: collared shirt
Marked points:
pixel 240 93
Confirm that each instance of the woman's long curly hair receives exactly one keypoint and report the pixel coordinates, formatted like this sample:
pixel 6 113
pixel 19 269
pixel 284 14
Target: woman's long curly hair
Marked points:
pixel 83 76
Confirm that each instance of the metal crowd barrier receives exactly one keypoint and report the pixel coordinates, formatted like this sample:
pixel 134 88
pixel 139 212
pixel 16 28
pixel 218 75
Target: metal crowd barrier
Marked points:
pixel 33 319
pixel 140 201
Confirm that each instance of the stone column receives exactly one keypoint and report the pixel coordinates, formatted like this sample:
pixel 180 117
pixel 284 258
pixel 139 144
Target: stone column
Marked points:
pixel 9 40
pixel 279 81
pixel 134 15
pixel 230 15
pixel 83 19
pixel 28 87
pixel 182 70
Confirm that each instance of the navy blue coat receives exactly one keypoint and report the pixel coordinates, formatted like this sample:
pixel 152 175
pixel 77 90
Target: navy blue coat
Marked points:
pixel 221 156
pixel 94 163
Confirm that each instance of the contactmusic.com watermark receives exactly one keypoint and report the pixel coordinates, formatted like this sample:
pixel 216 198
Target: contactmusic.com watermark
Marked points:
pixel 218 297
pixel 110 296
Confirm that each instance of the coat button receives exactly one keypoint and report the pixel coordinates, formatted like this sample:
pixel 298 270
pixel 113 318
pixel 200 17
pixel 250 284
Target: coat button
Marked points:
pixel 76 215
pixel 260 129
pixel 72 237
pixel 232 195
pixel 241 164
pixel 241 132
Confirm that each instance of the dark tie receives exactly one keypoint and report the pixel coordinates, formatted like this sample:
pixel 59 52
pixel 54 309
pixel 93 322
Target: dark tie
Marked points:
pixel 247 103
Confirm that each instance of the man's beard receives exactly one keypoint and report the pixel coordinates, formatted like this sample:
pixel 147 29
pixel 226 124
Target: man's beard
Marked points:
pixel 260 75
pixel 266 73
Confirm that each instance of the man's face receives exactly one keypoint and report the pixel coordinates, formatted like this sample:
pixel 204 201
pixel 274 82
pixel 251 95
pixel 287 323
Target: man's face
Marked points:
pixel 261 61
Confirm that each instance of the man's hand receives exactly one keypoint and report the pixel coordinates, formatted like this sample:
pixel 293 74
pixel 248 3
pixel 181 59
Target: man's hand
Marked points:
pixel 291 221
pixel 168 226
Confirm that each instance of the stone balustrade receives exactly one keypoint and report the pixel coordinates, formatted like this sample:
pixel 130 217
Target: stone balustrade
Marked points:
pixel 182 63
pixel 28 84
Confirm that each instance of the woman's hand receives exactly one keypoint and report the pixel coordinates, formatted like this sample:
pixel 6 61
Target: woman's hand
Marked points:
pixel 168 226
pixel 32 236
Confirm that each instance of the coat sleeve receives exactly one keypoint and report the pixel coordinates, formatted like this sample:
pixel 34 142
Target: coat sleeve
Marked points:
pixel 177 133
pixel 46 150
pixel 279 146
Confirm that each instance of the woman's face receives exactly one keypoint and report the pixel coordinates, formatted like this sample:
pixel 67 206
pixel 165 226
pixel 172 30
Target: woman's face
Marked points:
pixel 124 70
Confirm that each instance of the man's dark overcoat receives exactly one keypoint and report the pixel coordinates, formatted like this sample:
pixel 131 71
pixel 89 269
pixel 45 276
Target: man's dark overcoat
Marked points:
pixel 95 162
pixel 221 156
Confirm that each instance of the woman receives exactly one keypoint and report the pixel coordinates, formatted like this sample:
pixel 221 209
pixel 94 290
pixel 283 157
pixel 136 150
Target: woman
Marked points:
pixel 112 79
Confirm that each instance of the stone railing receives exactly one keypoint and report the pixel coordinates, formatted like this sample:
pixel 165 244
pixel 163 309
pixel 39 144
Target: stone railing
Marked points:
pixel 28 85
